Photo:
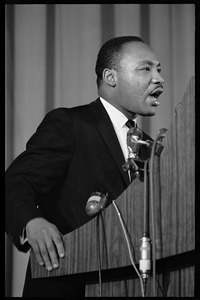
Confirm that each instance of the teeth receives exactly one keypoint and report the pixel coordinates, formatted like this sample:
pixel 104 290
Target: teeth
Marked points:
pixel 153 97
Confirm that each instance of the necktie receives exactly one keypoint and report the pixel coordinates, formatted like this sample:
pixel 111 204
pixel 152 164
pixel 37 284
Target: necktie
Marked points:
pixel 130 124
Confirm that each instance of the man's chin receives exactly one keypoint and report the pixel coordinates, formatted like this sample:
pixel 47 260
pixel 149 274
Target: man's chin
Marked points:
pixel 148 114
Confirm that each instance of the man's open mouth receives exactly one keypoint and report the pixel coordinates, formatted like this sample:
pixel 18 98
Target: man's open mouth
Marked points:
pixel 154 95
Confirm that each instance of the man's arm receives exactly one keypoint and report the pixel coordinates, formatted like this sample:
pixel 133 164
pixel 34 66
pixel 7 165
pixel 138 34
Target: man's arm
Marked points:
pixel 35 172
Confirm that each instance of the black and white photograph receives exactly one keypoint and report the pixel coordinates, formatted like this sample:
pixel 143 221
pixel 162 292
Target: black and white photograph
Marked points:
pixel 100 150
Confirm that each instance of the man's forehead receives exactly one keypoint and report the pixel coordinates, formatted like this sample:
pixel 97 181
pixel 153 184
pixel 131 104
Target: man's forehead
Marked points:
pixel 149 62
pixel 140 52
pixel 137 47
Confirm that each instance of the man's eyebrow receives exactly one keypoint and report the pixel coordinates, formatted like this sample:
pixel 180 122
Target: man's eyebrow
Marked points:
pixel 150 62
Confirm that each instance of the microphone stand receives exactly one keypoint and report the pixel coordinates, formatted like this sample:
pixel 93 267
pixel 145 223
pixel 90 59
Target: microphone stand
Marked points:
pixel 156 149
pixel 145 249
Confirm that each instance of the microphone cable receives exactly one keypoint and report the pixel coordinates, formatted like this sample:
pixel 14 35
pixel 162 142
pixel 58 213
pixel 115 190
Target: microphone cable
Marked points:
pixel 96 204
pixel 128 245
pixel 99 254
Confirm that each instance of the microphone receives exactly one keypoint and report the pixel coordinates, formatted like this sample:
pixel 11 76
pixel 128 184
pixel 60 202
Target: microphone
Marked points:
pixel 96 202
pixel 161 133
pixel 157 146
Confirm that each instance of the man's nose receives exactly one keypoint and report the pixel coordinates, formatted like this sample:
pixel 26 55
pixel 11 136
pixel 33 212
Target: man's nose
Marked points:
pixel 157 78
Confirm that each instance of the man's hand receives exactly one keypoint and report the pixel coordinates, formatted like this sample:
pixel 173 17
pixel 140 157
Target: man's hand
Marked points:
pixel 46 241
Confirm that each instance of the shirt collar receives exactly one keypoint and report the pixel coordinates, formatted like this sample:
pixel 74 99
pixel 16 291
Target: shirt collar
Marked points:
pixel 117 117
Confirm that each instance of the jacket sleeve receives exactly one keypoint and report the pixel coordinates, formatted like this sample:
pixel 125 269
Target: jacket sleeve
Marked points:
pixel 37 170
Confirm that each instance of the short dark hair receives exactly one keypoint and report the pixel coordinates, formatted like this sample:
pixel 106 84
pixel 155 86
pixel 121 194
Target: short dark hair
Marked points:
pixel 110 54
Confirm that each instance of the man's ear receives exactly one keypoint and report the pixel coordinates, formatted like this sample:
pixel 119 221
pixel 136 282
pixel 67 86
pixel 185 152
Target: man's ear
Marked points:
pixel 109 76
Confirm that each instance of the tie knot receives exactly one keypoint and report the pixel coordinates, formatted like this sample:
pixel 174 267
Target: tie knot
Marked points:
pixel 130 124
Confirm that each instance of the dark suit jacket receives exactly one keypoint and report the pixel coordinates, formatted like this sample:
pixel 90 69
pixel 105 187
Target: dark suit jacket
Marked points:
pixel 73 152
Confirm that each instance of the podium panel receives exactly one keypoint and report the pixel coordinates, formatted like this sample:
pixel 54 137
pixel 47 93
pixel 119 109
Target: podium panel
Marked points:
pixel 174 209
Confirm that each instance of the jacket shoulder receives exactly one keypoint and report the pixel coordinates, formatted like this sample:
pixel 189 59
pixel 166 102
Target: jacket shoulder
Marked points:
pixel 73 112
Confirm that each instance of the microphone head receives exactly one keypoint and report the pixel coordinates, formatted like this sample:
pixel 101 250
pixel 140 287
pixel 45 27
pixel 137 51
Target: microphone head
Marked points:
pixel 161 133
pixel 96 202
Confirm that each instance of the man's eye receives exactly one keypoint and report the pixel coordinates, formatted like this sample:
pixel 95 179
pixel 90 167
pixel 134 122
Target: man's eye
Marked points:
pixel 159 70
pixel 147 69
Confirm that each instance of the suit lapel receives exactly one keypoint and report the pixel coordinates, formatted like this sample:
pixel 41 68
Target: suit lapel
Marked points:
pixel 105 128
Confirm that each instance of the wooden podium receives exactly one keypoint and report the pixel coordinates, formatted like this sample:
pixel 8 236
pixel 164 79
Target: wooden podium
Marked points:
pixel 174 209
